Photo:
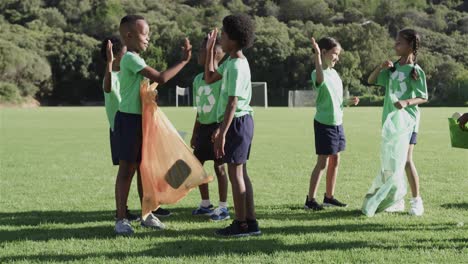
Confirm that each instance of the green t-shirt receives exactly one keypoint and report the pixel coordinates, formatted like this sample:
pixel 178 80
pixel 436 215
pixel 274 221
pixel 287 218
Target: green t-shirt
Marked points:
pixel 329 102
pixel 236 82
pixel 399 85
pixel 130 78
pixel 205 98
pixel 112 99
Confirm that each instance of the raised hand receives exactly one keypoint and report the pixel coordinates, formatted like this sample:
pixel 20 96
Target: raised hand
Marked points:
pixel 387 64
pixel 210 44
pixel 109 53
pixel 315 46
pixel 187 50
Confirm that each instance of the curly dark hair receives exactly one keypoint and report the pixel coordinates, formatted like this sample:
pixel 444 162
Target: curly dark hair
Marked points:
pixel 130 19
pixel 240 28
pixel 117 46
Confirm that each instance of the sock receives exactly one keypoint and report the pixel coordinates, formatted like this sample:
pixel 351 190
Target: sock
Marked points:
pixel 223 204
pixel 205 203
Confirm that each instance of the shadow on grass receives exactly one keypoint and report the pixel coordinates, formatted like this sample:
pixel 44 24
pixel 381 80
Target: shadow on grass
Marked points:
pixel 463 206
pixel 179 214
pixel 201 248
pixel 106 231
pixel 195 247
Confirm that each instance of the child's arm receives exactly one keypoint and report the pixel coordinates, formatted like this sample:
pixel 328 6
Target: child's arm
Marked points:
pixel 108 73
pixel 373 77
pixel 211 75
pixel 413 101
pixel 219 135
pixel 194 132
pixel 351 101
pixel 165 76
pixel 318 63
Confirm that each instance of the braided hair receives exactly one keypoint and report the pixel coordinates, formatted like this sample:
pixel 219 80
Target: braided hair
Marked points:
pixel 413 38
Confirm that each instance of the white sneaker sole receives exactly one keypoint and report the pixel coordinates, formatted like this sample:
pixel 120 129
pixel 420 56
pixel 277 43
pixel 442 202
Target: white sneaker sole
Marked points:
pixel 257 233
pixel 129 233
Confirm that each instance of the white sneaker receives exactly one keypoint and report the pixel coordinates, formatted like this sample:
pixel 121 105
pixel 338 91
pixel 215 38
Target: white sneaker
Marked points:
pixel 123 227
pixel 417 208
pixel 152 221
pixel 396 207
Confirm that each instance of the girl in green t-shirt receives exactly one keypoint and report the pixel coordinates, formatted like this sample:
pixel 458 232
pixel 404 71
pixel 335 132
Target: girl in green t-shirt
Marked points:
pixel 405 81
pixel 328 121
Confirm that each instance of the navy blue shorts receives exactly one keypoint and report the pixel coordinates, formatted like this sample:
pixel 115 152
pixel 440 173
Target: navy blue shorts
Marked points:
pixel 129 136
pixel 114 147
pixel 414 138
pixel 204 149
pixel 238 140
pixel 329 140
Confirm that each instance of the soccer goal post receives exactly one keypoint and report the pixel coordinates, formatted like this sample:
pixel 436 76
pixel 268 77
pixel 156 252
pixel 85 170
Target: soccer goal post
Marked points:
pixel 301 98
pixel 259 94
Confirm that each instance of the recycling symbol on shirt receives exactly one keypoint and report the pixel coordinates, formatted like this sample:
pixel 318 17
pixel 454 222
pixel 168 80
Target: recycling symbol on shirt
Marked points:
pixel 401 79
pixel 206 105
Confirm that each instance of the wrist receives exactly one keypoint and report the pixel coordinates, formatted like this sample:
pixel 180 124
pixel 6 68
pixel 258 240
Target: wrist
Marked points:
pixel 223 131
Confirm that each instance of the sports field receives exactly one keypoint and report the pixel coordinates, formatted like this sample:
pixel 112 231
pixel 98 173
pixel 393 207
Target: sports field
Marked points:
pixel 57 195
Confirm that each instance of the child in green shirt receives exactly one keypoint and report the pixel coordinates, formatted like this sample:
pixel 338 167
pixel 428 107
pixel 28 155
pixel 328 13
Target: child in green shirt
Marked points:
pixel 406 81
pixel 205 99
pixel 134 31
pixel 328 122
pixel 233 138
pixel 112 51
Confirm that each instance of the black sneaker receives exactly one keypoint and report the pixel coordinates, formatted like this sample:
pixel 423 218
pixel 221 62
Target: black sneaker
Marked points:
pixel 253 228
pixel 160 212
pixel 130 217
pixel 332 202
pixel 312 204
pixel 236 229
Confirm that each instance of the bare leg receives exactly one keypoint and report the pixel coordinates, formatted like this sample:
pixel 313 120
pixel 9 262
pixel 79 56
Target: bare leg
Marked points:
pixel 316 174
pixel 222 180
pixel 122 187
pixel 249 197
pixel 412 173
pixel 238 190
pixel 140 186
pixel 204 191
pixel 332 172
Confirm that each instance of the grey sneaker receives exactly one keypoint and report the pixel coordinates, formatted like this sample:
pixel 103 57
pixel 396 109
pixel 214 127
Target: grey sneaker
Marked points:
pixel 123 227
pixel 152 221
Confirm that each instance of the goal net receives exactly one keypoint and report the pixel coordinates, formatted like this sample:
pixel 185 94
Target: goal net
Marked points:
pixel 301 98
pixel 259 94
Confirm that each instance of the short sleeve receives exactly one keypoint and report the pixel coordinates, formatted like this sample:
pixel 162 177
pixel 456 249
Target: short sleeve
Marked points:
pixel 383 78
pixel 419 86
pixel 221 67
pixel 133 63
pixel 313 77
pixel 195 86
pixel 234 81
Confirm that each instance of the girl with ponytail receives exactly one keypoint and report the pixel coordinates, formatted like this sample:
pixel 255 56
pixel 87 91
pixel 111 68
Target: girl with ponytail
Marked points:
pixel 406 81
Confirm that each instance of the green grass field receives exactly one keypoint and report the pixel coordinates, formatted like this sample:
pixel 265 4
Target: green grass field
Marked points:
pixel 57 195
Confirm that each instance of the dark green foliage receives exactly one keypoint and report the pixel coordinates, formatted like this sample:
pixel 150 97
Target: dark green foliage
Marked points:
pixel 49 48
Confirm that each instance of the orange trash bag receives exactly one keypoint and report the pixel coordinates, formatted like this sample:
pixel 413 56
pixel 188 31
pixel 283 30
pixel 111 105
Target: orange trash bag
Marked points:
pixel 169 170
